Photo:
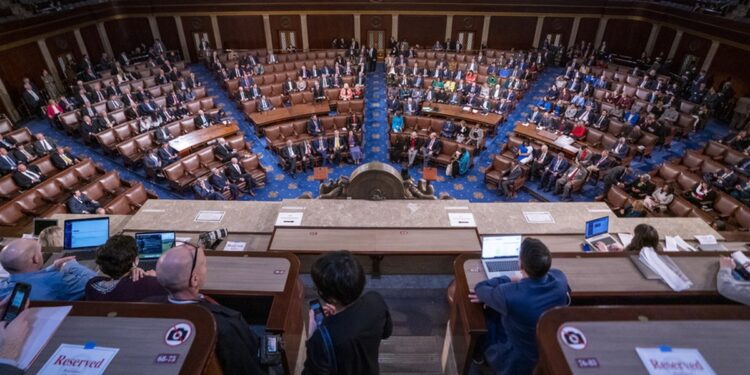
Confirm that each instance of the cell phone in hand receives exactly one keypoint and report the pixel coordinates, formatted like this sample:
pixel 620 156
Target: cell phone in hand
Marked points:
pixel 317 309
pixel 17 302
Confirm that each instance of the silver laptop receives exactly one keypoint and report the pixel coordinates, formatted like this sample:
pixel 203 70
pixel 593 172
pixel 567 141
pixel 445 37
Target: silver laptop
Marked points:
pixel 500 255
pixel 597 230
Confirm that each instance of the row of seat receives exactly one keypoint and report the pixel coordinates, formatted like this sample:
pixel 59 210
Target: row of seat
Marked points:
pixel 261 55
pixel 147 76
pixel 424 125
pixel 443 158
pixel 296 131
pixel 276 88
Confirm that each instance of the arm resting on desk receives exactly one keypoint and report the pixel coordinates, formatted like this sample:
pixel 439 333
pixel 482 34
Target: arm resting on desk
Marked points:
pixel 487 292
pixel 730 288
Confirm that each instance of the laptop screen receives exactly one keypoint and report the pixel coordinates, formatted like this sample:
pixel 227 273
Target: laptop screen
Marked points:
pixel 41 224
pixel 501 246
pixel 86 233
pixel 152 245
pixel 597 226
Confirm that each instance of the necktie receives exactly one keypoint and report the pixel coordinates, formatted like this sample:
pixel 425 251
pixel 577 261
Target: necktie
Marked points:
pixel 573 173
pixel 236 167
pixel 33 176
pixel 66 159
pixel 46 145
pixel 10 161
pixel 34 95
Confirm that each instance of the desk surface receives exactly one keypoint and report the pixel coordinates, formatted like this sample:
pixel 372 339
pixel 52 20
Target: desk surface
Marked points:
pixel 547 138
pixel 116 222
pixel 289 113
pixel 202 136
pixel 508 218
pixel 719 333
pixel 685 227
pixel 448 110
pixel 247 274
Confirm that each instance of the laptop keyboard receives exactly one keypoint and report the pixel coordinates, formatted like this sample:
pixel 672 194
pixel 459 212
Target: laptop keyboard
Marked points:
pixel 606 240
pixel 502 265
pixel 147 265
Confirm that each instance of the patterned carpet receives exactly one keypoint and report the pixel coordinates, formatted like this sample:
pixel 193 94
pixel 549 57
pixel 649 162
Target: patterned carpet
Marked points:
pixel 471 187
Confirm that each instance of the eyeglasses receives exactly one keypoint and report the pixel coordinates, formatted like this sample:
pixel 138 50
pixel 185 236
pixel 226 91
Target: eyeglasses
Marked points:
pixel 195 259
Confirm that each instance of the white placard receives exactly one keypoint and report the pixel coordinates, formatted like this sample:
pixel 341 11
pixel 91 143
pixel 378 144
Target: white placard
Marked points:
pixel 209 216
pixel 539 217
pixel 462 219
pixel 671 243
pixel 77 360
pixel 289 219
pixel 625 238
pixel 674 361
pixel 182 239
pixel 235 246
pixel 706 239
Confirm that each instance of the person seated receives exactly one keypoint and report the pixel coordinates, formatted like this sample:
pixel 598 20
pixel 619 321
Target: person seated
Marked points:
pixel 290 154
pixel 723 179
pixel 264 104
pixel 579 131
pixel 572 177
pixel 355 151
pixel 508 181
pixel 726 284
pixel 448 129
pixel 62 159
pixel 353 324
pixel 237 173
pixel 27 177
pixel 514 306
pixel 43 146
pixel 644 236
pixel 224 151
pixel 167 154
pixel 430 149
pixel 660 199
pixel 221 183
pixel 203 190
pixel 741 192
pixel 24 154
pixel 345 93
pixel 203 120
pixel 584 156
pixel 337 145
pixel 181 271
pixel 703 196
pixel 621 149
pixel 553 171
pixel 460 163
pixel 640 187
pixel 542 158
pixel 397 124
pixel 80 203
pixel 120 279
pixel 8 163
pixel 525 152
pixel 64 280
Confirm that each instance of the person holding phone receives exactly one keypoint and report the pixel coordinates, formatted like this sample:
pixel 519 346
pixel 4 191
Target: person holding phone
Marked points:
pixel 346 326
pixel 64 280
pixel 728 286
pixel 13 334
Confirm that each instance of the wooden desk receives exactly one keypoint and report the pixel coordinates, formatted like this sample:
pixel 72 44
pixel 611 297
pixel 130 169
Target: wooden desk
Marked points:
pixel 489 120
pixel 138 330
pixel 320 173
pixel 187 143
pixel 277 115
pixel 545 137
pixel 718 332
pixel 429 173
pixel 508 218
pixel 595 279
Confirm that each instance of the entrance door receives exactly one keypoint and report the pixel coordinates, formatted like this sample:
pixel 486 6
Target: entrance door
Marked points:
pixel 554 39
pixel 467 39
pixel 200 46
pixel 377 38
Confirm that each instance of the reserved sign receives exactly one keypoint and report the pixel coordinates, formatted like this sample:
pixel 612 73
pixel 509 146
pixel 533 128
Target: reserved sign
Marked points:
pixel 78 360
pixel 674 361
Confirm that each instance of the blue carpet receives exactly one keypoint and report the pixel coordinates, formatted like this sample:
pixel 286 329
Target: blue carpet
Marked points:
pixel 375 147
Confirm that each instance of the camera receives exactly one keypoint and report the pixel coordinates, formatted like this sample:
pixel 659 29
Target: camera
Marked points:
pixel 177 334
pixel 209 240
pixel 573 338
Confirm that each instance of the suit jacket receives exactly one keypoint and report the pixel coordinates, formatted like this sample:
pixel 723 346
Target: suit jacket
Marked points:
pixel 554 167
pixel 232 172
pixel 150 163
pixel 342 142
pixel 224 152
pixel 514 173
pixel 203 192
pixel 165 155
pixel 40 149
pixel 76 206
pixel 203 122
pixel 7 165
pixel 603 164
pixel 580 173
pixel 10 370
pixel 436 145
pixel 58 161
pixel 286 153
pixel 313 128
pixel 25 182
pixel 21 156
pixel 219 182
pixel 545 161
pixel 623 150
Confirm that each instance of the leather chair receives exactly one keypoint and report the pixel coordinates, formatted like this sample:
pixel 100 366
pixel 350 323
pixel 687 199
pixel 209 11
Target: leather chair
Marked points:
pixel 710 166
pixel 96 192
pixel 680 208
pixel 686 182
pixel 667 173
pixel 5 125
pixel 11 215
pixel 616 127
pixel 255 169
pixel 594 138
pixel 176 176
pixel 715 150
pixel 687 107
pixel 107 140
pixel 193 167
pixel 692 161
pixel 742 218
pixel 328 125
pixel 138 195
pixel 300 127
pixel 113 184
pixel 273 136
pixel 733 157
pixel 500 165
pixel 8 188
pixel 207 158
pixel 617 198
pixel 119 206
pixel 20 136
pixel 725 206
pixel 45 165
pixel 68 180
pixel 608 142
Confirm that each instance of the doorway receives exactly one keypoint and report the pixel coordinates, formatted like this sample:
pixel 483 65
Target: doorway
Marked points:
pixel 467 40
pixel 377 38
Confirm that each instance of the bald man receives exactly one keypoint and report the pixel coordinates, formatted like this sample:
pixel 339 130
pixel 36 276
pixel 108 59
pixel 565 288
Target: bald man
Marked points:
pixel 182 272
pixel 64 280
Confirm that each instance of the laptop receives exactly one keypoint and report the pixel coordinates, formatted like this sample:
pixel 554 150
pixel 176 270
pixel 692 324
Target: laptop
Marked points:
pixel 81 237
pixel 597 230
pixel 42 224
pixel 150 247
pixel 500 255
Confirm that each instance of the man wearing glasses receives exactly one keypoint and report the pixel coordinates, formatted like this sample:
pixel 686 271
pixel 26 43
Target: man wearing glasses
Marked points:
pixel 182 272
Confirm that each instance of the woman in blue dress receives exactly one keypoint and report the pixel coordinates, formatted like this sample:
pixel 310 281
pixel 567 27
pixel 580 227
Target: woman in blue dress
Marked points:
pixel 397 122
pixel 354 149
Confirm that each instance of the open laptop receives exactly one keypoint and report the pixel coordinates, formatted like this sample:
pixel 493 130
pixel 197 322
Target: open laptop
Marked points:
pixel 42 224
pixel 500 255
pixel 150 247
pixel 81 237
pixel 597 230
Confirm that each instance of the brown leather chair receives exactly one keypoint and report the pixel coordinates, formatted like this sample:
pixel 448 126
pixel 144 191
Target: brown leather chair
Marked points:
pixel 733 157
pixel 742 218
pixel 208 159
pixel 273 137
pixel 616 127
pixel 715 150
pixel 725 206
pixel 710 166
pixel 255 169
pixel 193 167
pixel 666 173
pixel 617 198
pixel 692 161
pixel 51 192
pixel 113 184
pixel 176 176
pixel 680 208
pixel 45 165
pixel 8 188
pixel 686 181
pixel 11 215
pixel 69 180
pixel 107 140
pixel 119 206
pixel 138 195
pixel 594 138
pixel 500 165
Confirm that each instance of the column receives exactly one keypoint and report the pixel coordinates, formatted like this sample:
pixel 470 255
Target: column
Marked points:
pixel 181 36
pixel 215 28
pixel 538 31
pixel 448 27
pixel 710 56
pixel 154 27
pixel 51 66
pixel 79 40
pixel 105 41
pixel 486 29
pixel 357 27
pixel 267 31
pixel 305 38
pixel 7 102
pixel 394 26
pixel 574 31
pixel 652 39
pixel 675 44
pixel 600 32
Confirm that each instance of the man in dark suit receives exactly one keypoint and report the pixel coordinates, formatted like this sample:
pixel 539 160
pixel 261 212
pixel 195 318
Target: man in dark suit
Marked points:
pixel 224 151
pixel 221 183
pixel 542 157
pixel 167 154
pixel 27 176
pixel 572 177
pixel 290 154
pixel 430 149
pixel 7 142
pixel 132 112
pixel 173 99
pixel 614 176
pixel 314 128
pixel 113 89
pixel 336 146
pixel 33 99
pixel 202 189
pixel 162 135
pixel 320 148
pixel 601 122
pixel 505 185
pixel 621 149
pixel 43 146
pixel 318 92
pixel 23 155
pixel 79 203
pixel 8 163
pixel 264 104
pixel 724 179
pixel 236 173
pixel 62 159
pixel 601 162
pixel 152 163
pixel 514 305
pixel 202 120
pixel 553 171
pixel 103 121
pixel 148 107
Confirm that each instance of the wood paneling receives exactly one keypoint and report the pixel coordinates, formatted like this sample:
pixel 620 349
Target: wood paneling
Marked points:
pixel 19 62
pixel 369 22
pixel 422 30
pixel 468 24
pixel 93 42
pixel 62 44
pixel 322 29
pixel 197 24
pixel 731 62
pixel 627 37
pixel 286 23
pixel 557 25
pixel 587 30
pixel 127 34
pixel 242 32
pixel 663 41
pixel 168 31
pixel 511 32
pixel 691 45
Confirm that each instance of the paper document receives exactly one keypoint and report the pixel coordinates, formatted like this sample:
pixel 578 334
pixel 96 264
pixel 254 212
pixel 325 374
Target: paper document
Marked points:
pixel 234 246
pixel 209 216
pixel 45 321
pixel 79 360
pixel 684 245
pixel 462 219
pixel 674 361
pixel 541 217
pixel 706 239
pixel 671 243
pixel 289 219
pixel 669 273
pixel 625 238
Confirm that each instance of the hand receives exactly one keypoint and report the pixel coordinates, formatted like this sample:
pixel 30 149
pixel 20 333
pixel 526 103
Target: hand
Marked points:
pixel 600 247
pixel 516 276
pixel 13 336
pixel 473 298
pixel 138 273
pixel 328 309
pixel 59 263
pixel 726 263
pixel 311 324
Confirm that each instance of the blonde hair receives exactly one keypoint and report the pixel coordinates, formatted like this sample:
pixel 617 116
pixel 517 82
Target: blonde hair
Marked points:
pixel 51 237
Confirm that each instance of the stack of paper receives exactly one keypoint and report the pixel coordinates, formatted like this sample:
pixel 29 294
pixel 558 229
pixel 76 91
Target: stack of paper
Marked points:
pixel 666 269
pixel 676 243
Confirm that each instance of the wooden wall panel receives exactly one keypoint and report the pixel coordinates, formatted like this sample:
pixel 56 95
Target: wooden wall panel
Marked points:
pixel 242 32
pixel 20 62
pixel 168 31
pixel 127 34
pixel 286 23
pixel 511 32
pixel 690 45
pixel 321 29
pixel 422 30
pixel 731 62
pixel 375 22
pixel 587 30
pixel 93 42
pixel 468 24
pixel 62 44
pixel 627 37
pixel 197 24
pixel 663 41
pixel 557 25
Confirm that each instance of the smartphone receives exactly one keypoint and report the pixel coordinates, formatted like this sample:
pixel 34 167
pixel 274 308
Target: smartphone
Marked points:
pixel 271 345
pixel 17 301
pixel 317 309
